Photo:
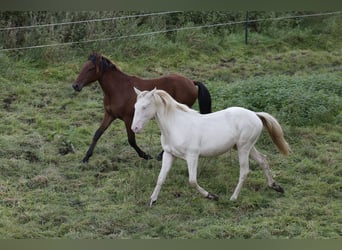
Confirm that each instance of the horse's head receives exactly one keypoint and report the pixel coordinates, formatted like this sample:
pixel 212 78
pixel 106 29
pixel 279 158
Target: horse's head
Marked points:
pixel 91 71
pixel 145 109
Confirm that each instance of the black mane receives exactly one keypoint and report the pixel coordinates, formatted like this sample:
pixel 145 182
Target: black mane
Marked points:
pixel 102 62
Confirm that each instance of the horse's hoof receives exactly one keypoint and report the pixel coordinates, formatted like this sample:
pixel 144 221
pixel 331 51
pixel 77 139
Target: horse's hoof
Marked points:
pixel 85 161
pixel 277 188
pixel 160 156
pixel 151 202
pixel 145 156
pixel 211 196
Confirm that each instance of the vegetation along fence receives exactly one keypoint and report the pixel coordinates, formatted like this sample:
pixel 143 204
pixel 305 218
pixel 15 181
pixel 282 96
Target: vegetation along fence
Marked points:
pixel 31 30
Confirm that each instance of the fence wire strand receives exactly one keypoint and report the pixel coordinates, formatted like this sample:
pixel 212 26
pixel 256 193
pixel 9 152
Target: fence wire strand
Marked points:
pixel 87 21
pixel 169 30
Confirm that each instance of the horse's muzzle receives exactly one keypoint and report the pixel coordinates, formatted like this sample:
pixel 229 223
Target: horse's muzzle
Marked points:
pixel 136 129
pixel 77 87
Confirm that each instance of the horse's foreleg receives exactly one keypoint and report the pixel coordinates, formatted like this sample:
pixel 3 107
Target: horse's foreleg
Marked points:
pixel 192 168
pixel 132 141
pixel 244 170
pixel 166 165
pixel 107 120
pixel 261 160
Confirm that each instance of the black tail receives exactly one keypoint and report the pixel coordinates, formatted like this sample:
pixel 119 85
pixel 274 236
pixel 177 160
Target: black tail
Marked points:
pixel 204 98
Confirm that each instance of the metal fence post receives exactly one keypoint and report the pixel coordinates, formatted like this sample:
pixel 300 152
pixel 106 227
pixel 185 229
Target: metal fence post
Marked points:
pixel 246 28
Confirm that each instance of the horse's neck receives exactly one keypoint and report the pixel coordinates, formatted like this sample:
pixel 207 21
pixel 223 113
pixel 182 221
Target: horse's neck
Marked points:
pixel 114 83
pixel 172 122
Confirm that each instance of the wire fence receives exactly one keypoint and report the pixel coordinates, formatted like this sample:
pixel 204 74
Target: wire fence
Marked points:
pixel 246 21
pixel 89 20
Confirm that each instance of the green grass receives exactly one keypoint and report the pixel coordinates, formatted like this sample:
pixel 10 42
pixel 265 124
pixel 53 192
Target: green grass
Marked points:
pixel 46 128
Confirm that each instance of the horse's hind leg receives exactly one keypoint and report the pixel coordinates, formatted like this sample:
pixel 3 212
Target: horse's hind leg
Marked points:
pixel 244 170
pixel 261 160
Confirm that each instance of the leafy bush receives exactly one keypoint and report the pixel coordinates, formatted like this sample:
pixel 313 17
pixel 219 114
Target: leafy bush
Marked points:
pixel 288 31
pixel 297 101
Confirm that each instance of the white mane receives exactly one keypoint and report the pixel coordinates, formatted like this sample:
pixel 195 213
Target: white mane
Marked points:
pixel 161 97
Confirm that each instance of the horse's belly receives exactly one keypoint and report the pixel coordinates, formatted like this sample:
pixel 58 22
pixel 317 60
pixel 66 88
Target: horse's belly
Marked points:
pixel 217 149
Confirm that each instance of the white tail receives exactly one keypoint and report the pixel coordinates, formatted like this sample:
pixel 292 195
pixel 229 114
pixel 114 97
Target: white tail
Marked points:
pixel 275 131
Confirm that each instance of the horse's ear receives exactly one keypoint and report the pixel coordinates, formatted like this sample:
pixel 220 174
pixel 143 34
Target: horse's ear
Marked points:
pixel 137 91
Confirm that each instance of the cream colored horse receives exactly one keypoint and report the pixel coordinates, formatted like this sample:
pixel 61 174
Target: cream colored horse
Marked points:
pixel 186 134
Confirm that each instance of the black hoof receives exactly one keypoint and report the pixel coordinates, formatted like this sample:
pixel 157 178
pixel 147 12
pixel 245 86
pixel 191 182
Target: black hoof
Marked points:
pixel 146 156
pixel 212 197
pixel 150 203
pixel 85 160
pixel 277 188
pixel 160 156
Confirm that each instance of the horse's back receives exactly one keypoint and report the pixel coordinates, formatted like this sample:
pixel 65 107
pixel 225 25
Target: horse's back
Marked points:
pixel 234 114
pixel 182 89
pixel 242 118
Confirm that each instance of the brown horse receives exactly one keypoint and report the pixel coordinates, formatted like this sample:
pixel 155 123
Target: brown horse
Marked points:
pixel 119 95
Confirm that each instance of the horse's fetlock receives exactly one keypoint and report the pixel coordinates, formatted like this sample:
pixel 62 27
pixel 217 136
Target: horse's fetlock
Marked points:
pixel 85 160
pixel 151 202
pixel 211 196
pixel 193 183
pixel 233 198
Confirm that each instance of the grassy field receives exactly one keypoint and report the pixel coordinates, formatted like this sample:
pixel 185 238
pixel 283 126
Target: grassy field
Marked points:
pixel 46 128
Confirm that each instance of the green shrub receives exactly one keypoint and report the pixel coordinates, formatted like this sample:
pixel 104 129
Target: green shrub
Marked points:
pixel 297 101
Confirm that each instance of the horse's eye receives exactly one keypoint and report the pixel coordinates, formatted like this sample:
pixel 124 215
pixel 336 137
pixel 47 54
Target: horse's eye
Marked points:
pixel 91 69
